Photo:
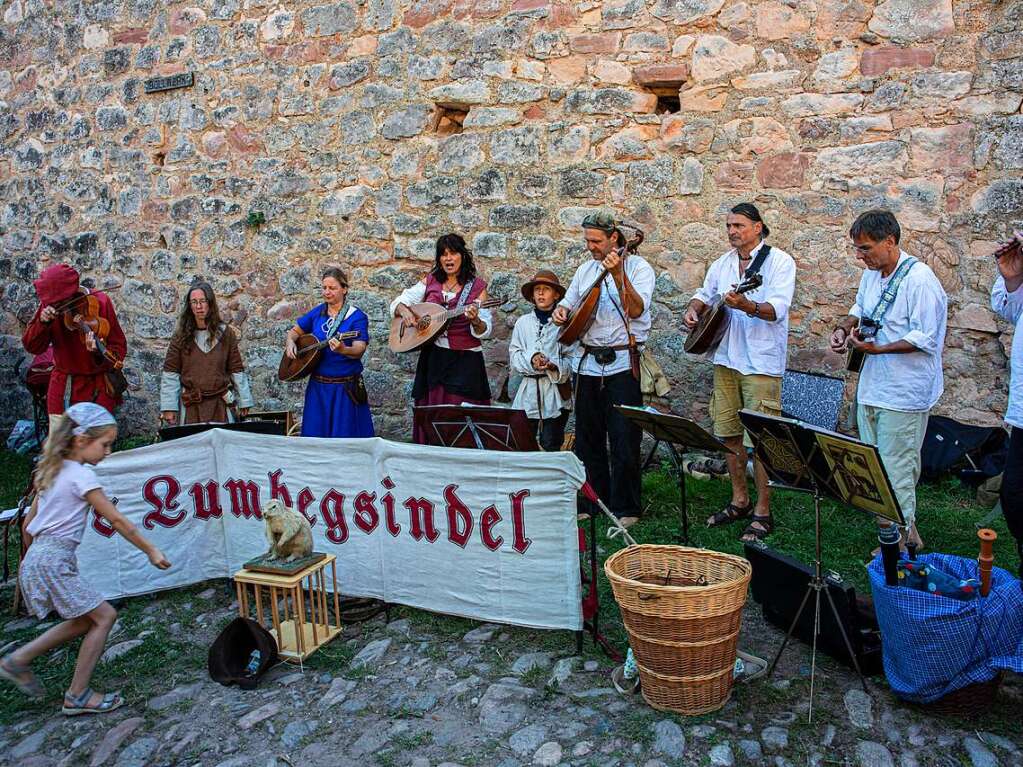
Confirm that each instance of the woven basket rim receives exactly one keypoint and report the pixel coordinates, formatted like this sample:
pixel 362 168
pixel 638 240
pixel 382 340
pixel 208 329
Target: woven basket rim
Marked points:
pixel 739 562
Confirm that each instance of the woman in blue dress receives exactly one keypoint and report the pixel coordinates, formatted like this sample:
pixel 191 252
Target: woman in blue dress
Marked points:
pixel 335 397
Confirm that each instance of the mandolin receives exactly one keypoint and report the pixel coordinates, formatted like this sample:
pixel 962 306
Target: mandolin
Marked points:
pixel 707 335
pixel 581 316
pixel 308 353
pixel 433 319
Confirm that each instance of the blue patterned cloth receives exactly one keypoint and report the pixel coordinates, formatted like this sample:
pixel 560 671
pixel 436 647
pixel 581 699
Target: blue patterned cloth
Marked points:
pixel 934 645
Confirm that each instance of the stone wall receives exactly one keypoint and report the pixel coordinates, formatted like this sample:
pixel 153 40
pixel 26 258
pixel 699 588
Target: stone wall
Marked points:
pixel 326 120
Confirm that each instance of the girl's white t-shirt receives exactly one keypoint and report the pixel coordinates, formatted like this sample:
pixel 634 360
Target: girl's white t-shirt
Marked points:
pixel 62 508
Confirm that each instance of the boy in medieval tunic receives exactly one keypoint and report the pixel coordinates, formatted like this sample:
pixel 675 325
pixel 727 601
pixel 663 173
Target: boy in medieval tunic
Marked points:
pixel 202 366
pixel 79 370
pixel 545 365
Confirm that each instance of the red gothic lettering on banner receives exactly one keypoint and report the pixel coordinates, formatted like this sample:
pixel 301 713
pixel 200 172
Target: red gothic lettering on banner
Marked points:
pixel 490 517
pixel 167 503
pixel 518 521
pixel 388 500
pixel 459 518
pixel 366 517
pixel 101 526
pixel 278 489
pixel 206 500
pixel 420 513
pixel 332 511
pixel 244 498
pixel 305 500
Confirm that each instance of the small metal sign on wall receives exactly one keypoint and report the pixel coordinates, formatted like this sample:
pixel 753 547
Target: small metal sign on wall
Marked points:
pixel 171 82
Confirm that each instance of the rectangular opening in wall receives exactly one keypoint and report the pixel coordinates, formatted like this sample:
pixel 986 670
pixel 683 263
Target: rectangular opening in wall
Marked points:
pixel 448 119
pixel 668 104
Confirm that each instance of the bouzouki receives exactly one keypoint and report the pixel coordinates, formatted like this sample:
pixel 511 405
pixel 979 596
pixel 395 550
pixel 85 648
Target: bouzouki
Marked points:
pixel 581 317
pixel 432 320
pixel 709 331
pixel 309 349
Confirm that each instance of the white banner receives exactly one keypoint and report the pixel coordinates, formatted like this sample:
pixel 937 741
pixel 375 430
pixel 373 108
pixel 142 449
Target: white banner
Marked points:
pixel 480 534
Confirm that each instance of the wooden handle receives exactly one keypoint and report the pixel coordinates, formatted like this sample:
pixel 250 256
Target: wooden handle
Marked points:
pixel 986 558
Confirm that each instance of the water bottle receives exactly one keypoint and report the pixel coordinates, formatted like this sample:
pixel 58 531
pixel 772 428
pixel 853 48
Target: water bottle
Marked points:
pixel 253 666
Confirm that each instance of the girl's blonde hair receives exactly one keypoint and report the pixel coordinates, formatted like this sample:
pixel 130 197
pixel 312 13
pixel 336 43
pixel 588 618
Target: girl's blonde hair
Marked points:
pixel 58 447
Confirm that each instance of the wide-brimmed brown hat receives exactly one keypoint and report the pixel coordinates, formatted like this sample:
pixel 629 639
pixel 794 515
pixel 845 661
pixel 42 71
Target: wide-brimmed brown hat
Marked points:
pixel 543 277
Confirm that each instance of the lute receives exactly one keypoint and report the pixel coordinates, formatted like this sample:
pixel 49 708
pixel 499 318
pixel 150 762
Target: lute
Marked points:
pixel 432 319
pixel 710 329
pixel 308 353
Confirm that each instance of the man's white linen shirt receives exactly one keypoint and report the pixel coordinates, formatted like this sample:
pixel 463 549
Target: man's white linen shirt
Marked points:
pixel 910 382
pixel 751 345
pixel 608 328
pixel 1009 306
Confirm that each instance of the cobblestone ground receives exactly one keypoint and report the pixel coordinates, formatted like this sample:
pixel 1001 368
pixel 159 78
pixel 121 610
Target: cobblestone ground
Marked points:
pixel 429 691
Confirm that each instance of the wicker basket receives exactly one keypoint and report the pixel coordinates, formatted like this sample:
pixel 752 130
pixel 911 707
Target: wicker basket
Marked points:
pixel 682 608
pixel 966 701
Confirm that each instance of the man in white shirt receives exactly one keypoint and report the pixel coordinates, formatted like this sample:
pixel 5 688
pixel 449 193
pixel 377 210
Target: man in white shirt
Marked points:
pixel 750 361
pixel 903 305
pixel 605 369
pixel 1007 302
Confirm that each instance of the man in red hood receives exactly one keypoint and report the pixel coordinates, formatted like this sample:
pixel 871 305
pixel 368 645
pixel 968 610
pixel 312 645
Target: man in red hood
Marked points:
pixel 80 371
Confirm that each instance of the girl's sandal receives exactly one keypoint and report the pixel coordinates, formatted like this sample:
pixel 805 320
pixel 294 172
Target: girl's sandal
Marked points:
pixel 759 528
pixel 731 513
pixel 75 705
pixel 21 677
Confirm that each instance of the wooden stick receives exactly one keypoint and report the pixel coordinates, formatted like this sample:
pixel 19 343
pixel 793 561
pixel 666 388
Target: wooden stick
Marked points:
pixel 986 558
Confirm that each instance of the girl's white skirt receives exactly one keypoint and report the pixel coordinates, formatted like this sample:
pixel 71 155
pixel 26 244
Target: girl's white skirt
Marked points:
pixel 50 580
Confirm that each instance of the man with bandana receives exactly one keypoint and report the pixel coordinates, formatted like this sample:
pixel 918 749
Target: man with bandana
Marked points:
pixel 605 369
pixel 750 361
pixel 79 371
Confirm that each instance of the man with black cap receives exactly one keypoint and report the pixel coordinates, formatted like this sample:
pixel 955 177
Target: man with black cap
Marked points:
pixel 79 371
pixel 608 369
pixel 750 361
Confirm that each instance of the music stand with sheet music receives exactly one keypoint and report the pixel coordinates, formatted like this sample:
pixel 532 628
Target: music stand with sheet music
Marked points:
pixel 480 427
pixel 805 458
pixel 677 432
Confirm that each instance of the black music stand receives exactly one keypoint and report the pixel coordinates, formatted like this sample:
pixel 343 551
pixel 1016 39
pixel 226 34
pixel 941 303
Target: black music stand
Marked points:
pixel 168 433
pixel 677 432
pixel 479 427
pixel 808 459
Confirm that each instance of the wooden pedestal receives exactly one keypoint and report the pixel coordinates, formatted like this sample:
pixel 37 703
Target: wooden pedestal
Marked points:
pixel 298 635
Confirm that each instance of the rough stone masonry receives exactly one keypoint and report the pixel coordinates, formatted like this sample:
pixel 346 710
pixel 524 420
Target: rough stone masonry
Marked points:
pixel 362 129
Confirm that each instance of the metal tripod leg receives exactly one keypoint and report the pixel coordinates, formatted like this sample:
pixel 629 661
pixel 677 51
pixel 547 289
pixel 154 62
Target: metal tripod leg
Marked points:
pixel 683 511
pixel 817 584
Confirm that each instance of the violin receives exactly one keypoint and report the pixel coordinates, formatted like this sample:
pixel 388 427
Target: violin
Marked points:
pixel 81 314
pixel 582 316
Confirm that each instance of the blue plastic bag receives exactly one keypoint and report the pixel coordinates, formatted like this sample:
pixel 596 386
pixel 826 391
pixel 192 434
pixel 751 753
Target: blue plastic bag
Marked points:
pixel 934 645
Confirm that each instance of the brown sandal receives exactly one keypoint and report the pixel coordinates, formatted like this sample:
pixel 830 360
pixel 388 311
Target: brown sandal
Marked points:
pixel 731 513
pixel 754 533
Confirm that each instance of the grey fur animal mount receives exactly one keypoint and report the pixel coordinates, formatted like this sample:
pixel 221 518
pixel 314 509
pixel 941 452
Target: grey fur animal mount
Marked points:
pixel 287 532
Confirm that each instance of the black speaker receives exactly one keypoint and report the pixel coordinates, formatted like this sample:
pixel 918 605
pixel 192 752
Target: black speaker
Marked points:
pixel 779 583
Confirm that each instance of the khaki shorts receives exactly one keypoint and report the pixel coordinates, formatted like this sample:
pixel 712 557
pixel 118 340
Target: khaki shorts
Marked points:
pixel 734 391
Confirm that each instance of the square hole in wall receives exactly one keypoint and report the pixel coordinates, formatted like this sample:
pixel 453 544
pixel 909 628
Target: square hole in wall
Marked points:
pixel 449 118
pixel 668 104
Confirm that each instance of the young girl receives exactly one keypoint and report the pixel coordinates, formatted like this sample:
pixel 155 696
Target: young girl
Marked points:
pixel 66 489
